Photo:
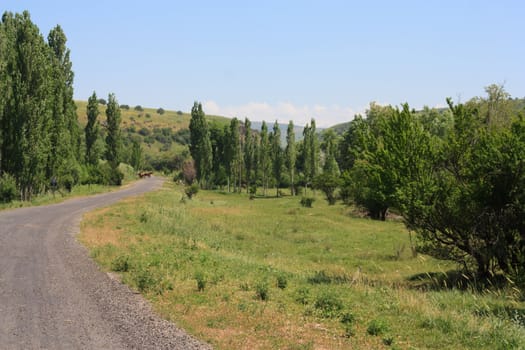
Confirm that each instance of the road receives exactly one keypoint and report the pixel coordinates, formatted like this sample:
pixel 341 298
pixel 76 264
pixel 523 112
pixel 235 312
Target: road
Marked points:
pixel 53 296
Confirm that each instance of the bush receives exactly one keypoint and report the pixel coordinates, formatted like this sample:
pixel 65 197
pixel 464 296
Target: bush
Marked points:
pixel 262 290
pixel 126 107
pixel 179 113
pixel 139 108
pixel 191 190
pixel 201 281
pixel 8 190
pixel 115 176
pixel 120 264
pixel 377 327
pixel 307 202
pixel 303 295
pixel 102 101
pixel 144 280
pixel 282 282
pixel 160 111
pixel 329 304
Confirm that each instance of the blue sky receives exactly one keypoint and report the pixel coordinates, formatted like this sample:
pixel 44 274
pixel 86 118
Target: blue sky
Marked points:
pixel 288 59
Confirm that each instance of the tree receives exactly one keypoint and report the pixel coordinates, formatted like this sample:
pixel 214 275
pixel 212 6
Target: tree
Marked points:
pixel 310 153
pixel 218 145
pixel 472 205
pixel 200 144
pixel 329 147
pixel 277 156
pixel 235 154
pixel 160 111
pixel 28 97
pixel 264 157
pixel 91 130
pixel 136 155
pixel 113 138
pixel 249 152
pixel 291 154
pixel 328 184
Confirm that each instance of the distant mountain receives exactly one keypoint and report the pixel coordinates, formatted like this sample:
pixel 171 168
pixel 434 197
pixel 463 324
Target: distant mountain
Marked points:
pixel 283 127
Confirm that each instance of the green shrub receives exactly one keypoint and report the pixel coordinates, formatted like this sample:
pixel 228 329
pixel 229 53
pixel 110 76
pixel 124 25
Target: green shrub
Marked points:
pixel 377 327
pixel 303 295
pixel 200 277
pixel 191 190
pixel 120 264
pixel 144 280
pixel 8 190
pixel 307 202
pixel 328 303
pixel 282 281
pixel 262 290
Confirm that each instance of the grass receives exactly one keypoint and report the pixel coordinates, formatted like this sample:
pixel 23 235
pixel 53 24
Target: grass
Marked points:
pixel 269 273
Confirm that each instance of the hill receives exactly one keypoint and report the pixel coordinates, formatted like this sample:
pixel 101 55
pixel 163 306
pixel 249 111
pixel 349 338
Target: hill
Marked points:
pixel 164 137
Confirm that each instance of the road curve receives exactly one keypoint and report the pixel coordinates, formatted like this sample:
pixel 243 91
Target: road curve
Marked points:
pixel 53 296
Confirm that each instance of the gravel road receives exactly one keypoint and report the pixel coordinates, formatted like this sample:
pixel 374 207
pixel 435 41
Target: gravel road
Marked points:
pixel 53 296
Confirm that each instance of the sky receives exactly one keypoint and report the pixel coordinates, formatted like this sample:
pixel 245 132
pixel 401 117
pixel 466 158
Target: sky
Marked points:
pixel 288 60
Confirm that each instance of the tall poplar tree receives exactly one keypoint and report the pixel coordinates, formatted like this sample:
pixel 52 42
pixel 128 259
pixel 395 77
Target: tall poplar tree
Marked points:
pixel 26 115
pixel 307 167
pixel 91 130
pixel 113 138
pixel 249 152
pixel 290 154
pixel 235 154
pixel 264 157
pixel 200 144
pixel 277 156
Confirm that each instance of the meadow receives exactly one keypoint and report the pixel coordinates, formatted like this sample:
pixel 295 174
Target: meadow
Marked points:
pixel 267 273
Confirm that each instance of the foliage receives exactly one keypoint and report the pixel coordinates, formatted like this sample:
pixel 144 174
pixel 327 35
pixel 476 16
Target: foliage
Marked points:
pixel 307 202
pixel 113 138
pixel 276 155
pixel 200 144
pixel 471 208
pixel 262 290
pixel 139 108
pixel 120 263
pixel 377 327
pixel 8 191
pixel 92 130
pixel 200 277
pixel 160 111
pixel 191 190
pixel 328 183
pixel 291 154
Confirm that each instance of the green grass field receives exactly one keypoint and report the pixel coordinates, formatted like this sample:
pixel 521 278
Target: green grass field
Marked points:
pixel 270 274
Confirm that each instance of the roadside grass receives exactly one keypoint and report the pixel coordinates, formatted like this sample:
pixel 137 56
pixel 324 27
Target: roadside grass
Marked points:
pixel 268 274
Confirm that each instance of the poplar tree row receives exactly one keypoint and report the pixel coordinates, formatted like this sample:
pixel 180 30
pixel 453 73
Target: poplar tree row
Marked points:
pixel 40 137
pixel 236 156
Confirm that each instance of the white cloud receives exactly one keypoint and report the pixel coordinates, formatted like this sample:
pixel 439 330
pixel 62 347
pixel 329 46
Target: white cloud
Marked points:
pixel 324 116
